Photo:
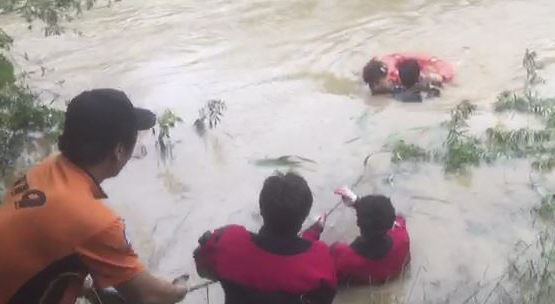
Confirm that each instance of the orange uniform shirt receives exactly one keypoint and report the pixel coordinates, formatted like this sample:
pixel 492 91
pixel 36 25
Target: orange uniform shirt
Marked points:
pixel 54 230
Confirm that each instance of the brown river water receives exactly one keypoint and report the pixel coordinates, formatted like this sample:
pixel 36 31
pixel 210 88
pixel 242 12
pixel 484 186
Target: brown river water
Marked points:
pixel 289 73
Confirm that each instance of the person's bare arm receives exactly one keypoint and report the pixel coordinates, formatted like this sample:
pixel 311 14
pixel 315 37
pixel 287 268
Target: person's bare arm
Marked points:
pixel 147 289
pixel 430 79
pixel 112 262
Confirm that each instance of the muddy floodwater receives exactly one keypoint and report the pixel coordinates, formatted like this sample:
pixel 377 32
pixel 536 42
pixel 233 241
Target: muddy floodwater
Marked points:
pixel 289 72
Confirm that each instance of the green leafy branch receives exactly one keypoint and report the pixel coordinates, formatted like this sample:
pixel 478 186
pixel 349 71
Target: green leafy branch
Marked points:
pixel 403 151
pixel 211 114
pixel 51 12
pixel 459 150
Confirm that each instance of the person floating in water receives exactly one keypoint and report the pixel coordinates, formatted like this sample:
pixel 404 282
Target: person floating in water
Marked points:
pixel 274 265
pixel 407 75
pixel 380 253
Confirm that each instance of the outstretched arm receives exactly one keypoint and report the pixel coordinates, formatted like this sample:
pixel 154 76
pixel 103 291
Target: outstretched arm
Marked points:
pixel 113 263
pixel 348 197
pixel 313 232
pixel 145 288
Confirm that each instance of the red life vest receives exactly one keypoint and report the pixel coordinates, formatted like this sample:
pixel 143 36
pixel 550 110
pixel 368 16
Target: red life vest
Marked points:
pixel 352 267
pixel 428 64
pixel 234 257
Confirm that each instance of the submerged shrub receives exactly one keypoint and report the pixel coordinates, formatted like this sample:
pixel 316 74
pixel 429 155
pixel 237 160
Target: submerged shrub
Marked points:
pixel 462 153
pixel 517 143
pixel 408 152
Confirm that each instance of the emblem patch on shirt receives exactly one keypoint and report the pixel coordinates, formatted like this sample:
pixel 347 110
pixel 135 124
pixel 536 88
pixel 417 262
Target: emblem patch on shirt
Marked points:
pixel 125 234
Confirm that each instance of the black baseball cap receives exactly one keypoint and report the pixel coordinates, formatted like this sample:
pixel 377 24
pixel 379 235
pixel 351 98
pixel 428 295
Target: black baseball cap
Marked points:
pixel 108 108
pixel 96 120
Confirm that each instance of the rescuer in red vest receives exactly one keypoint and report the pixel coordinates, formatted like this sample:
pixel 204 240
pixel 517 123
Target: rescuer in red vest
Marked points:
pixel 382 250
pixel 274 265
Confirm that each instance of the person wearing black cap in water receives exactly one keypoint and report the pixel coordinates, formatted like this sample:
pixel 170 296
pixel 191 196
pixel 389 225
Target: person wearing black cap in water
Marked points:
pixel 54 226
pixel 381 252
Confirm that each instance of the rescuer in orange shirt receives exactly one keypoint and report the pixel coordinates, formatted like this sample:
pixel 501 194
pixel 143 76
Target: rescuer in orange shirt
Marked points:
pixel 55 228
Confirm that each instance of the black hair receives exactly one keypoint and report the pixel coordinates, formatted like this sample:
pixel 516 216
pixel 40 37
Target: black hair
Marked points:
pixel 95 123
pixel 373 72
pixel 409 72
pixel 375 215
pixel 285 201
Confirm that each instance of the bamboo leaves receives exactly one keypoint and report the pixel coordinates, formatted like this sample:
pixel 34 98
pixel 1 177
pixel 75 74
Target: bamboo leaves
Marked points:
pixel 210 115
